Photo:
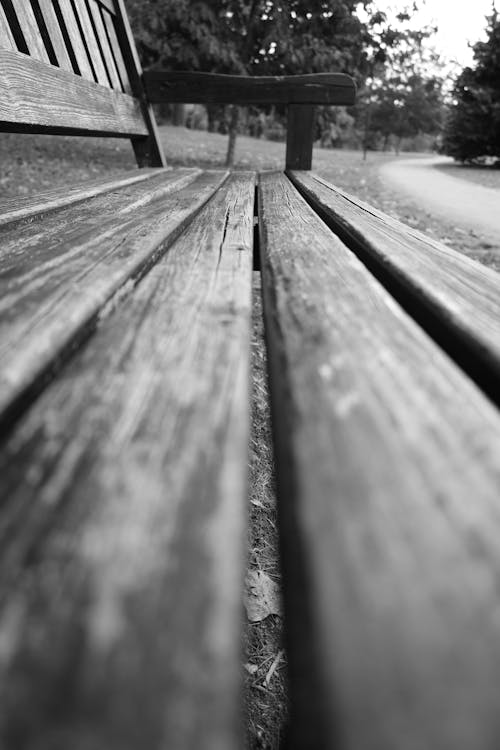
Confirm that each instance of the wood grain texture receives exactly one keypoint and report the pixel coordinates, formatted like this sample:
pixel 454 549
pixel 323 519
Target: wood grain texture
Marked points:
pixel 388 478
pixel 104 46
pixel 109 5
pixel 55 34
pixel 456 299
pixel 120 600
pixel 90 41
pixel 299 136
pixel 40 98
pixel 116 51
pixel 26 209
pixel 317 88
pixel 75 39
pixel 57 274
pixel 6 38
pixel 148 151
pixel 31 32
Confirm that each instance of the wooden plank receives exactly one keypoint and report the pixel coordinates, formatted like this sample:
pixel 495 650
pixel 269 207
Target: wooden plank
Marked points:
pixel 300 136
pixel 148 151
pixel 90 41
pixel 108 5
pixel 456 299
pixel 75 39
pixel 6 38
pixel 58 273
pixel 117 53
pixel 315 88
pixel 107 55
pixel 55 34
pixel 139 521
pixel 31 32
pixel 41 98
pixel 387 458
pixel 26 209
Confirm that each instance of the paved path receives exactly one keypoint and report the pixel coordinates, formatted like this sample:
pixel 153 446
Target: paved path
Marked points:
pixel 459 201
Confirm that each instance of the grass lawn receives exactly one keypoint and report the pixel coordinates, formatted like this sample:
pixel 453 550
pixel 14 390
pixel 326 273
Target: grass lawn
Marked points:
pixel 33 163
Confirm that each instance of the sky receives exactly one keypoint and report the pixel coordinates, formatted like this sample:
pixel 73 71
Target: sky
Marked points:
pixel 458 22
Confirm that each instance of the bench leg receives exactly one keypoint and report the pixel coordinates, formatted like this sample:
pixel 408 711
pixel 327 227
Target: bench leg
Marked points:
pixel 300 136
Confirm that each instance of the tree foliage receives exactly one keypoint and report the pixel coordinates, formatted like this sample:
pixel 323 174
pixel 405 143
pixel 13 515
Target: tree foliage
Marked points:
pixel 251 36
pixel 402 95
pixel 473 126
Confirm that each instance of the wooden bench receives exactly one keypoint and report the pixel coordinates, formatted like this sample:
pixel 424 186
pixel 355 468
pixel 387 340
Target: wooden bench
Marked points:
pixel 125 310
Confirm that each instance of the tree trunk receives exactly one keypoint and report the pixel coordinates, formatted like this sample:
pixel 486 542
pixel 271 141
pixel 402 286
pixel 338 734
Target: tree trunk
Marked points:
pixel 211 117
pixel 179 114
pixel 233 132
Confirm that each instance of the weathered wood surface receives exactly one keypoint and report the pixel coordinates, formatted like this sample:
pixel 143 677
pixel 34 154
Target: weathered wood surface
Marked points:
pixel 31 33
pixel 148 151
pixel 56 275
pixel 116 51
pixel 389 481
pixel 75 40
pixel 55 34
pixel 456 299
pixel 317 88
pixel 41 98
pixel 108 4
pixel 90 40
pixel 26 209
pixel 299 136
pixel 104 45
pixel 122 548
pixel 6 38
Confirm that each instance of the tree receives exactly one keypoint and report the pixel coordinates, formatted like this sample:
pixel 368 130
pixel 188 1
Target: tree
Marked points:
pixel 402 94
pixel 473 125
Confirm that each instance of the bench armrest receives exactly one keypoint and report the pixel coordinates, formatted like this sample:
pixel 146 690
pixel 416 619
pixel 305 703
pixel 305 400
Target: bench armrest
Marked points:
pixel 212 88
pixel 301 94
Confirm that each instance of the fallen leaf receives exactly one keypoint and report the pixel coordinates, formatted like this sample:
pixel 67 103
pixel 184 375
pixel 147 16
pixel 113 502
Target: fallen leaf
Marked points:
pixel 251 668
pixel 262 596
pixel 273 667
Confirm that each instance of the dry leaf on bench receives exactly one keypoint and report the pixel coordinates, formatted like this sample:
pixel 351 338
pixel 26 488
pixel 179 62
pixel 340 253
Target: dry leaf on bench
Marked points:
pixel 262 596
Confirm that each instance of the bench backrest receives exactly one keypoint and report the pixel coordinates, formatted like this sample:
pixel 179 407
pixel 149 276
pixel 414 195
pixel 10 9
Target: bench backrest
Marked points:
pixel 70 67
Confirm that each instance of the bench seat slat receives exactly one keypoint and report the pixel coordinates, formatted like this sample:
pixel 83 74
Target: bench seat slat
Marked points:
pixel 456 298
pixel 58 273
pixel 388 480
pixel 41 98
pixel 26 209
pixel 122 554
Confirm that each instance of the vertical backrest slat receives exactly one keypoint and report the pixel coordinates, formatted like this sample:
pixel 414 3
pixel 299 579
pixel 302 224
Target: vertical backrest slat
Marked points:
pixel 7 40
pixel 109 5
pixel 75 39
pixel 91 42
pixel 31 31
pixel 148 151
pixel 102 39
pixel 117 53
pixel 55 34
